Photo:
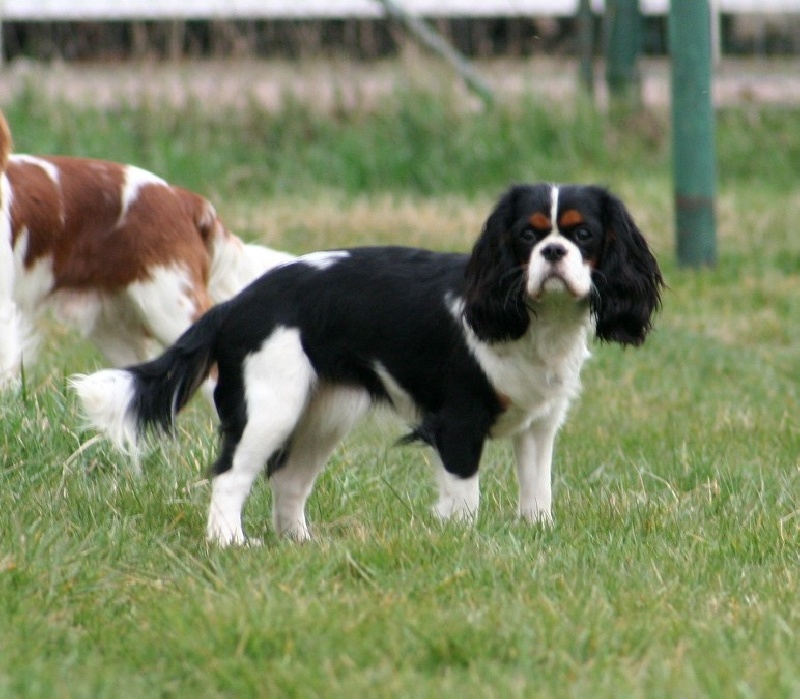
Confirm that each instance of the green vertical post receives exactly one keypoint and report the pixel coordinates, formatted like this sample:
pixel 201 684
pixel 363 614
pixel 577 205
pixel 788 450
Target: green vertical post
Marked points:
pixel 623 46
pixel 586 45
pixel 693 149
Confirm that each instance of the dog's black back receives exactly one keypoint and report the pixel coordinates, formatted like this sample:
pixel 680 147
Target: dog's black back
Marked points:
pixel 391 307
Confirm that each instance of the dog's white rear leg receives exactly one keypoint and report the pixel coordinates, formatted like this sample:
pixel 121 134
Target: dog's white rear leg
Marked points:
pixel 230 489
pixel 331 414
pixel 277 380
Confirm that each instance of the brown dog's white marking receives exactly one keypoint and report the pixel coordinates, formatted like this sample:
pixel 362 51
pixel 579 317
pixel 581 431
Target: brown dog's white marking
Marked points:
pixel 112 249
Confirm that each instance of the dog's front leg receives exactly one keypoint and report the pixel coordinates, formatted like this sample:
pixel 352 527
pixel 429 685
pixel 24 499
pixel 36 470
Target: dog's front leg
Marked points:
pixel 458 497
pixel 459 448
pixel 534 452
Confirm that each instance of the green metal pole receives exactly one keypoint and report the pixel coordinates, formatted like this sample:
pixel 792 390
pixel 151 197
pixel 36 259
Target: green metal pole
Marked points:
pixel 693 149
pixel 623 45
pixel 586 45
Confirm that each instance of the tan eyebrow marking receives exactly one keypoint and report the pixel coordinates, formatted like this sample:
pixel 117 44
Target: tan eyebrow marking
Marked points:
pixel 570 217
pixel 540 221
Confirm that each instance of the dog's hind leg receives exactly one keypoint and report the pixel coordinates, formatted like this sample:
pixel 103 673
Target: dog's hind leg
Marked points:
pixel 119 334
pixel 331 414
pixel 277 380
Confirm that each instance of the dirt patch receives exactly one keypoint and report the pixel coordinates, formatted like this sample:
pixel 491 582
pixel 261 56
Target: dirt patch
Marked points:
pixel 345 84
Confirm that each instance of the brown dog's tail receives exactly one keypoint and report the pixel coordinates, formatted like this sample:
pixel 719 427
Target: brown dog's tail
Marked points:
pixel 6 144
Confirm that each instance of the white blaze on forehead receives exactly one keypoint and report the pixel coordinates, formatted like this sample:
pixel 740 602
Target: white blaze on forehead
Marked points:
pixel 554 208
pixel 323 260
pixel 135 179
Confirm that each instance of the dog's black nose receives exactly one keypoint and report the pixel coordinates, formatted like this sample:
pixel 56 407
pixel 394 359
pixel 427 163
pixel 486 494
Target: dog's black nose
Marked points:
pixel 553 252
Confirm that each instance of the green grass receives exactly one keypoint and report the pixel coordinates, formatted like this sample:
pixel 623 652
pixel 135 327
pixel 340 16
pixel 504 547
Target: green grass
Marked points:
pixel 418 140
pixel 672 569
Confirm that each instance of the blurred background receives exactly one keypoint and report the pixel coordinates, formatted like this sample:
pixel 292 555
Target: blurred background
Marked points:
pixel 280 68
pixel 749 38
pixel 315 124
pixel 81 30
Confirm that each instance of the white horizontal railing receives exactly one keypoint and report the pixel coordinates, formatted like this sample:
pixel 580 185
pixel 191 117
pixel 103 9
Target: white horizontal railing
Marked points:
pixel 41 10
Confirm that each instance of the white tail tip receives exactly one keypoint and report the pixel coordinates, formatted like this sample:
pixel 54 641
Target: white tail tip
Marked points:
pixel 106 398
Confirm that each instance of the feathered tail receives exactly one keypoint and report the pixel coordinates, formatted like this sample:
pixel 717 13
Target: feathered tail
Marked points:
pixel 124 403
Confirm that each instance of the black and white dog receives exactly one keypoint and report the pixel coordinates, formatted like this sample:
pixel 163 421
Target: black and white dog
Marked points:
pixel 465 347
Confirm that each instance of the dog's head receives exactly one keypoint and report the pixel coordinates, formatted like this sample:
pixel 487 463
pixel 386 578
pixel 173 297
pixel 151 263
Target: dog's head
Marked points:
pixel 572 240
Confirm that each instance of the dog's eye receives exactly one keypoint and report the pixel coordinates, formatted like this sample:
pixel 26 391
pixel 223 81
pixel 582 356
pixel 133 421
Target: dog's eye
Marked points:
pixel 527 235
pixel 582 234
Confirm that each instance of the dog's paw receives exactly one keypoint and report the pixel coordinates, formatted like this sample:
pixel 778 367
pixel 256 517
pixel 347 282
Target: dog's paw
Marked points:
pixel 537 516
pixel 449 510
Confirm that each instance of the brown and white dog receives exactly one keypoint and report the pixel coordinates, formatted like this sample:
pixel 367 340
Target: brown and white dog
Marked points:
pixel 112 249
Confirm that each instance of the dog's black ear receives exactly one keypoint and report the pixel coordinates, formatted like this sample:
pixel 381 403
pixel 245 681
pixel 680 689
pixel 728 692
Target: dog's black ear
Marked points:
pixel 494 294
pixel 627 281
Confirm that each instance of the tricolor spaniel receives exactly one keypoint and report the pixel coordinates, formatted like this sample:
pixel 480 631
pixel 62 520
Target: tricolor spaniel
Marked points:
pixel 465 347
pixel 112 249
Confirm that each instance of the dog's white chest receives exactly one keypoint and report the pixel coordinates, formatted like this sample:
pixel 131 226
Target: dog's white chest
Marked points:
pixel 533 378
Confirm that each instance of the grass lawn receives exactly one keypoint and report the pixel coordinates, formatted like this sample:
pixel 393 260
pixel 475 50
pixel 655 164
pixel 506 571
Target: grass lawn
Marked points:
pixel 673 568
